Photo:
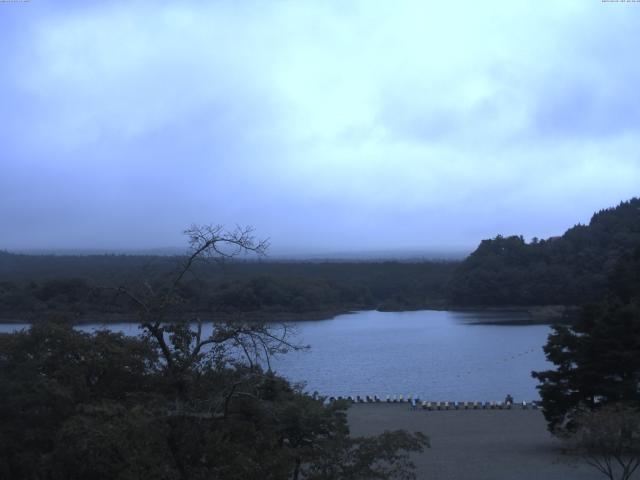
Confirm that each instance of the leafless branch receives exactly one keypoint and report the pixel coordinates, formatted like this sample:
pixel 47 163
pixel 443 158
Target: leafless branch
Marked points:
pixel 180 345
pixel 210 241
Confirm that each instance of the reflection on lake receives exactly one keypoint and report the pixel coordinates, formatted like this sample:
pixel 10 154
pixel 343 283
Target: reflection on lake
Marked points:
pixel 433 354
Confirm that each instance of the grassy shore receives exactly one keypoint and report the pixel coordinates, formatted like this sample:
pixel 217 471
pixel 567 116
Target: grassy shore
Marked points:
pixel 477 444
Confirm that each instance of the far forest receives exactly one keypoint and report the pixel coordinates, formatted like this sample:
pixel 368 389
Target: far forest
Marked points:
pixel 506 271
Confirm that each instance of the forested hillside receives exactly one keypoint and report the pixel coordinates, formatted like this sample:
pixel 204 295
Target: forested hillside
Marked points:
pixel 571 269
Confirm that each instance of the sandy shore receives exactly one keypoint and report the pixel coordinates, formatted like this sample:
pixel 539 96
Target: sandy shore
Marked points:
pixel 476 444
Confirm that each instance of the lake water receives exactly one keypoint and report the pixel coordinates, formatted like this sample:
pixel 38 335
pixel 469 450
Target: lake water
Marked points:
pixel 437 355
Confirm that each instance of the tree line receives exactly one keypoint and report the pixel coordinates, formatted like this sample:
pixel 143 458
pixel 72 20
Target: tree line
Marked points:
pixel 572 269
pixel 31 287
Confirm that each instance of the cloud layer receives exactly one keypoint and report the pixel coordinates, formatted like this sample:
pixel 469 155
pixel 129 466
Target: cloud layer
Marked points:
pixel 327 125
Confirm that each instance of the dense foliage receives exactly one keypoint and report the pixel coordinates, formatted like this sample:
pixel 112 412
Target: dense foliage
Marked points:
pixel 105 406
pixel 598 358
pixel 570 270
pixel 175 403
pixel 32 286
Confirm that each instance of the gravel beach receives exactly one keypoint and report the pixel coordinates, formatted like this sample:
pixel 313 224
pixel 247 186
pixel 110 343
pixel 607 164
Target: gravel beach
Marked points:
pixel 476 444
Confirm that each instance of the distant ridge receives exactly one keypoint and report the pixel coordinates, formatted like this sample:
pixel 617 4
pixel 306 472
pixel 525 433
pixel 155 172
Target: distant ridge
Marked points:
pixel 276 255
pixel 372 255
pixel 159 251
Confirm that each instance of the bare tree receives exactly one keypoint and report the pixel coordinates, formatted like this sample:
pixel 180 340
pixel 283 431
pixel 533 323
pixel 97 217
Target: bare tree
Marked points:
pixel 609 439
pixel 180 342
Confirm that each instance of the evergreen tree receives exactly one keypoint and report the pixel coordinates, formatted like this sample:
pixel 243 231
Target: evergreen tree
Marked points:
pixel 598 358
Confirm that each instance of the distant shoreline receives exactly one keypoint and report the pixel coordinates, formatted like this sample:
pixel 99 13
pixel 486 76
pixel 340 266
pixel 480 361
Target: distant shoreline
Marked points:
pixel 526 315
pixel 536 314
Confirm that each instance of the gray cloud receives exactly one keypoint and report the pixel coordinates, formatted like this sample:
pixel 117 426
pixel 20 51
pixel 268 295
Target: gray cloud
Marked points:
pixel 334 126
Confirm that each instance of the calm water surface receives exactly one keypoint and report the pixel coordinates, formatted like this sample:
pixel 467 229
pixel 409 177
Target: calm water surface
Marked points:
pixel 436 355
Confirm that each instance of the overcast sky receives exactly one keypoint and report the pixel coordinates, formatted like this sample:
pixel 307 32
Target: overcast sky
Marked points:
pixel 329 126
